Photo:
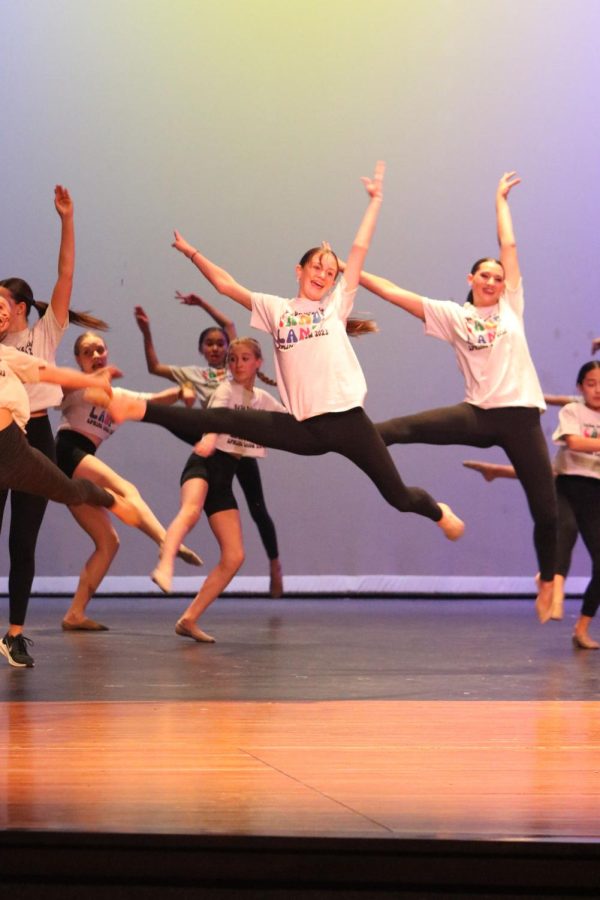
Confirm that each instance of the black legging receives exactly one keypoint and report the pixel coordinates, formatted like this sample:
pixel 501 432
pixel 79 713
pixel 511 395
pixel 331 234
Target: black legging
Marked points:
pixel 567 534
pixel 579 500
pixel 33 479
pixel 350 433
pixel 518 431
pixel 248 475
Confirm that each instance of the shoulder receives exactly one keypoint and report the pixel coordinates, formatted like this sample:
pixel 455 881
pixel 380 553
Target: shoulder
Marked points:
pixel 448 308
pixel 268 300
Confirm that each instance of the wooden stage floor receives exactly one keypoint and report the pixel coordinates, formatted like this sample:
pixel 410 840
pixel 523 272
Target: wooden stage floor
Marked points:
pixel 346 719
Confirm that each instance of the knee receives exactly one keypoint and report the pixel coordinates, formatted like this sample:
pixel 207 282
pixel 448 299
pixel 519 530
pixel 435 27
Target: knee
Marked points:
pixel 114 542
pixel 394 431
pixel 109 544
pixel 130 491
pixel 258 511
pixel 233 560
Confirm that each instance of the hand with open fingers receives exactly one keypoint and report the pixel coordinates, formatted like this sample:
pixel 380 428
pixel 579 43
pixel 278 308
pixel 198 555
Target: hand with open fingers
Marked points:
pixel 141 317
pixel 189 299
pixel 507 183
pixel 62 201
pixel 374 185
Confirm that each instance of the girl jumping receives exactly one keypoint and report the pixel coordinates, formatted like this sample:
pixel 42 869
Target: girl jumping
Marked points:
pixel 319 377
pixel 503 396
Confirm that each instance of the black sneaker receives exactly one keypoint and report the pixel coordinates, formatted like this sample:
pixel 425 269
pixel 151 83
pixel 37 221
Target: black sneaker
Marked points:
pixel 14 649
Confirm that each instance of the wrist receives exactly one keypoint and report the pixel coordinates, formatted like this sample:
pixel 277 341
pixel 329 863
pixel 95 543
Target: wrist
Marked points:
pixel 192 255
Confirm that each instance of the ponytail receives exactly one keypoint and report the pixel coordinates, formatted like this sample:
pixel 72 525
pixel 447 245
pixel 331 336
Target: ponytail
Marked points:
pixel 21 293
pixel 82 319
pixel 358 327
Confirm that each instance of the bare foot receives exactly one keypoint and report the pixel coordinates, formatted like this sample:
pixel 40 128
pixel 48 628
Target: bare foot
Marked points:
pixel 543 601
pixel 124 510
pixel 189 556
pixel 72 623
pixel 124 406
pixel 276 583
pixel 451 525
pixel 486 469
pixel 188 629
pixel 583 641
pixel 97 396
pixel 162 579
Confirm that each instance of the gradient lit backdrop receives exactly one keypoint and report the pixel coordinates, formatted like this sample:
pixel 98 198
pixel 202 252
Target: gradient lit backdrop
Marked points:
pixel 247 124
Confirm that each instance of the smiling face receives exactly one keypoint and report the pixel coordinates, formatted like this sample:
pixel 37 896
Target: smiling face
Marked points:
pixel 317 276
pixel 244 362
pixel 17 311
pixel 91 352
pixel 590 388
pixel 5 312
pixel 213 347
pixel 487 283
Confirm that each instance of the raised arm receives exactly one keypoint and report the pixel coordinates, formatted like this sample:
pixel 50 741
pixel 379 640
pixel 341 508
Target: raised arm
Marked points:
pixel 506 234
pixel 362 240
pixel 155 367
pixel 221 280
pixel 220 318
pixel 61 295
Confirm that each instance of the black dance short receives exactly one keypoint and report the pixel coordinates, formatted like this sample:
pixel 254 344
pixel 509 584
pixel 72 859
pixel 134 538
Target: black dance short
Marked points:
pixel 71 447
pixel 219 471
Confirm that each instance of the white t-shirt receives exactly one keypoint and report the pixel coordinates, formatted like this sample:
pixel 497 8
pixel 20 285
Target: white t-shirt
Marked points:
pixel 491 349
pixel 41 340
pixel 204 380
pixel 16 368
pixel 95 422
pixel 317 369
pixel 235 396
pixel 577 418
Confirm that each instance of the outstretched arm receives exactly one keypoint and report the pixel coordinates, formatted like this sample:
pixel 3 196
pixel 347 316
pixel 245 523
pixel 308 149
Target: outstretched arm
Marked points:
pixel 221 280
pixel 558 399
pixel 61 295
pixel 72 379
pixel 220 318
pixel 155 367
pixel 506 234
pixel 362 240
pixel 171 395
pixel 387 290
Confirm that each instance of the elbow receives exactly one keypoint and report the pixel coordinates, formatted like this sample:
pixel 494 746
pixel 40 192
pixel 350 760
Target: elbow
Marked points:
pixel 223 286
